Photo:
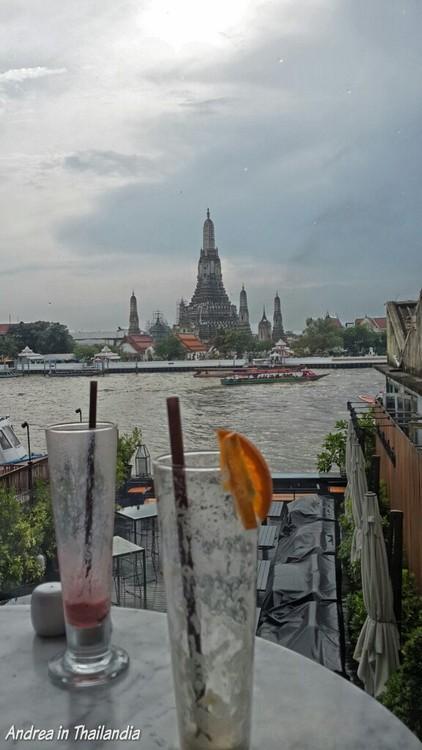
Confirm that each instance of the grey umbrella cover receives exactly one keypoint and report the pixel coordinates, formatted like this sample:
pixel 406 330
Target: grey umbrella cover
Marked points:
pixel 377 649
pixel 356 487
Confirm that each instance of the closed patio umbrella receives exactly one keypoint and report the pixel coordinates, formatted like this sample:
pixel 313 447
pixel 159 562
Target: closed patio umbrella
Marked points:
pixel 356 487
pixel 359 488
pixel 377 649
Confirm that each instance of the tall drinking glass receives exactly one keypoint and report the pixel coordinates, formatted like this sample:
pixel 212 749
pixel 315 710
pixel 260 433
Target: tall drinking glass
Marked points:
pixel 82 465
pixel 209 565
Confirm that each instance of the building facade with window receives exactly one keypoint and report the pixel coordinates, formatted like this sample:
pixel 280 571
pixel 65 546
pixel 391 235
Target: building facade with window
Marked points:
pixel 399 424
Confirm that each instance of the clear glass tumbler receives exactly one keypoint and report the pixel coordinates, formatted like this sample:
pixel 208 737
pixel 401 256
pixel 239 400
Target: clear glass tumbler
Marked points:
pixel 209 565
pixel 82 466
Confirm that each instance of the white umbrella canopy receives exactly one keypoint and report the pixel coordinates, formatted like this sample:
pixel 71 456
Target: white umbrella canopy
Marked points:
pixel 377 649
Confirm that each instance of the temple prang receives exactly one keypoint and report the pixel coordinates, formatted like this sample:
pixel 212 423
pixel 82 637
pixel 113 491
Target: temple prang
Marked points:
pixel 133 317
pixel 264 328
pixel 210 309
pixel 244 324
pixel 278 329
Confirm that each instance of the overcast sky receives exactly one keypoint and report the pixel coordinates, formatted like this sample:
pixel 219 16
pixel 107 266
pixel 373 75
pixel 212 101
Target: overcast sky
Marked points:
pixel 298 122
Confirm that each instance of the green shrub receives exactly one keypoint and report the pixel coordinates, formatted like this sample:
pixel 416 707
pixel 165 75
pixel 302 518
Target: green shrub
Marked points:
pixel 411 610
pixel 411 606
pixel 19 544
pixel 403 693
pixel 126 446
pixel 40 516
pixel 356 616
pixel 334 449
pixel 351 570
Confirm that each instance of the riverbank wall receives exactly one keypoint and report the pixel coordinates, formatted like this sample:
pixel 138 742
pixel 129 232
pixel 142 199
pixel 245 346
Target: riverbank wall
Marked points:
pixel 76 369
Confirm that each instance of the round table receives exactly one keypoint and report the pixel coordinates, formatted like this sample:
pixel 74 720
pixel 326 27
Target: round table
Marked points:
pixel 298 705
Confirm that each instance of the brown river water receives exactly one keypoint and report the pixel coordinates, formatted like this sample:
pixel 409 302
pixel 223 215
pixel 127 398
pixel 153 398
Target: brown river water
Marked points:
pixel 287 422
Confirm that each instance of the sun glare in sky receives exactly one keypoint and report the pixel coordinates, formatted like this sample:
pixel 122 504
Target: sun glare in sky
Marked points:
pixel 188 22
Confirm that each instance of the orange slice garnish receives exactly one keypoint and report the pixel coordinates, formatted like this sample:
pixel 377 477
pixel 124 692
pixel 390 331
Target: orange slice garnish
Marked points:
pixel 246 476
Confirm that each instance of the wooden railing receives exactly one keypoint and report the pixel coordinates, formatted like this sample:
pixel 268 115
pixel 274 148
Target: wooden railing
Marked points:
pixel 17 478
pixel 401 470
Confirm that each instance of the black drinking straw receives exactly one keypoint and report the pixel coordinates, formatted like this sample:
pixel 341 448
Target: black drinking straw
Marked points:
pixel 185 546
pixel 89 501
pixel 93 386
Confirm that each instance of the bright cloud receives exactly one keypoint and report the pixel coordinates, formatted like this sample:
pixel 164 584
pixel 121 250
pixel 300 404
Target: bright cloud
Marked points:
pixel 18 75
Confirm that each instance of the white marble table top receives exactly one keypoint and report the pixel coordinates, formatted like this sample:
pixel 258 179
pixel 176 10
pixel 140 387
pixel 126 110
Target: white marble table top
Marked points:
pixel 137 512
pixel 298 705
pixel 123 547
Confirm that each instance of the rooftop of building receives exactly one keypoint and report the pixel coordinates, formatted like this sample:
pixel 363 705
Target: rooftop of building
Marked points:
pixel 378 322
pixel 191 342
pixel 139 341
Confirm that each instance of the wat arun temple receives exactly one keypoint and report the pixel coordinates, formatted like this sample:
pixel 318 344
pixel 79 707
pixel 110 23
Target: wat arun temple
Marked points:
pixel 210 309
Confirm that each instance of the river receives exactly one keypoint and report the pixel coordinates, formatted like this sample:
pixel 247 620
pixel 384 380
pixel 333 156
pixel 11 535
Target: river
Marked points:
pixel 287 422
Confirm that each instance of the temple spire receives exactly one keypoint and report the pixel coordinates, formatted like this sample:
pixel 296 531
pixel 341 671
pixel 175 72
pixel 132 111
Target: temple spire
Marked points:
pixel 264 328
pixel 133 316
pixel 278 330
pixel 244 312
pixel 208 235
pixel 210 309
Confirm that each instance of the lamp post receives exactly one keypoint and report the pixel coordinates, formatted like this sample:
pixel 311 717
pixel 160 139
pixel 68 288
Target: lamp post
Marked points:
pixel 142 461
pixel 79 411
pixel 25 425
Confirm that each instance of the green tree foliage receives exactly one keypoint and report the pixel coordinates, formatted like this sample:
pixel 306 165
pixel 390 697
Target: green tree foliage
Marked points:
pixel 233 342
pixel 8 347
pixel 411 610
pixel 357 340
pixel 321 337
pixel 334 448
pixel 19 544
pixel 403 693
pixel 40 516
pixel 334 445
pixel 170 348
pixel 126 446
pixel 85 353
pixel 42 337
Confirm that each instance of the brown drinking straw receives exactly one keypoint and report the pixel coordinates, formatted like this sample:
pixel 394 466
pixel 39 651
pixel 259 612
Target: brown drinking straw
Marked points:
pixel 185 547
pixel 89 502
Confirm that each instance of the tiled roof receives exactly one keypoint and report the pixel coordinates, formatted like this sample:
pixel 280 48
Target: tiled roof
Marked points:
pixel 337 322
pixel 380 323
pixel 139 342
pixel 191 342
pixel 4 328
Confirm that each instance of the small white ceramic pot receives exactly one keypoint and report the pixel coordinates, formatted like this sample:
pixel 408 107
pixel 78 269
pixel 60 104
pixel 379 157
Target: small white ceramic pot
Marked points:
pixel 47 609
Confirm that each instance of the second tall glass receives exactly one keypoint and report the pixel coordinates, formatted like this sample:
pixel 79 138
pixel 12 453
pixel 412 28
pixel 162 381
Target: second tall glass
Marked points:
pixel 209 565
pixel 82 466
